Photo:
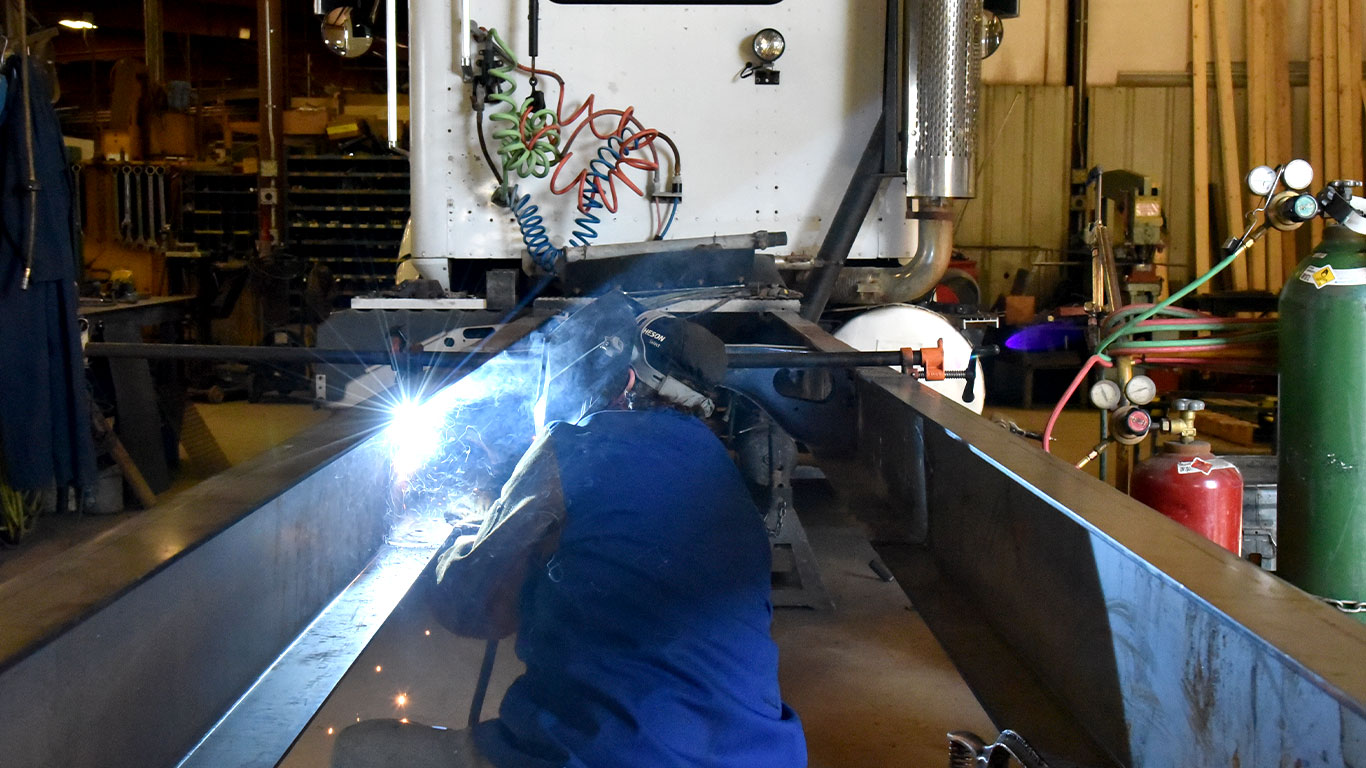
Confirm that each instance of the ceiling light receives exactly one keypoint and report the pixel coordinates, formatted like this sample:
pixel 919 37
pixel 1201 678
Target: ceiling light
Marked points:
pixel 84 23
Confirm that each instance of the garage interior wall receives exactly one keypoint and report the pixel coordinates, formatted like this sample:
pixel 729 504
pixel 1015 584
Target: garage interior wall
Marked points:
pixel 1140 119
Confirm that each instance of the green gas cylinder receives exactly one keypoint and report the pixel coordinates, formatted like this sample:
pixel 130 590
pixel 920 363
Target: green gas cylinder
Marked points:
pixel 1321 500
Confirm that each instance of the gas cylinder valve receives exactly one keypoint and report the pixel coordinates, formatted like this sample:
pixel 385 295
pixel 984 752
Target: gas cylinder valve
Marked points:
pixel 1180 420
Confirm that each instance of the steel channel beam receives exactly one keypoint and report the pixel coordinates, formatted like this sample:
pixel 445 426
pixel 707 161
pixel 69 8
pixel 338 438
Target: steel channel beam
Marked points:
pixel 128 649
pixel 1150 645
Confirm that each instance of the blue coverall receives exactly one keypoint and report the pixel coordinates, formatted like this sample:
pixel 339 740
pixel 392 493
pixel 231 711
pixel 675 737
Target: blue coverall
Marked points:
pixel 628 556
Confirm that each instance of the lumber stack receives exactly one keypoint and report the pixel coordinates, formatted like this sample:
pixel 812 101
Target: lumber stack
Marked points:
pixel 1336 99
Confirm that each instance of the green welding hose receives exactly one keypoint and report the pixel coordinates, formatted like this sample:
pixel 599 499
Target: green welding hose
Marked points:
pixel 517 157
pixel 1179 295
pixel 1198 343
pixel 1213 325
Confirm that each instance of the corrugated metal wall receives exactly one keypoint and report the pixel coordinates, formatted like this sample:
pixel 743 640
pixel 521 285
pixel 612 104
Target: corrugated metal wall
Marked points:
pixel 1148 131
pixel 1019 217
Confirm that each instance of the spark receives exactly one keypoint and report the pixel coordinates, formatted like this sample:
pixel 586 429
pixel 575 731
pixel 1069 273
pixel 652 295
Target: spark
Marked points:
pixel 401 700
pixel 427 632
pixel 331 730
pixel 403 719
pixel 378 669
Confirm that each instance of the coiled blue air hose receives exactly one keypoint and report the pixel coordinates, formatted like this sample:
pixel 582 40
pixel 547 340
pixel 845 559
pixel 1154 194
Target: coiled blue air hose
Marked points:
pixel 529 220
pixel 600 171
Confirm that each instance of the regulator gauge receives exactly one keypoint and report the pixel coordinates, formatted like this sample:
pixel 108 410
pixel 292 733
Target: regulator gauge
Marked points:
pixel 1106 395
pixel 1261 180
pixel 1298 175
pixel 1140 390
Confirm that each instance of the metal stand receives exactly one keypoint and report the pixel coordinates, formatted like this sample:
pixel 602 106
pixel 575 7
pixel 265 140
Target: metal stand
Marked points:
pixel 799 586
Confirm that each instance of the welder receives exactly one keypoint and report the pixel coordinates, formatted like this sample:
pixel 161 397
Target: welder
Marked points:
pixel 628 557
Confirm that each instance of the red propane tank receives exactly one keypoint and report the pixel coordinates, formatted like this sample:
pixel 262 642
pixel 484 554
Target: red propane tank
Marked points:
pixel 1189 484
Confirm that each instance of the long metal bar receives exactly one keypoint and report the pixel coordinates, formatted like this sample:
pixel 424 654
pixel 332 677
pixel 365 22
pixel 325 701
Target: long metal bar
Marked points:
pixel 279 355
pixel 758 359
pixel 759 241
pixel 1103 631
pixel 736 357
pixel 154 48
pixel 848 219
pixel 391 71
pixel 271 187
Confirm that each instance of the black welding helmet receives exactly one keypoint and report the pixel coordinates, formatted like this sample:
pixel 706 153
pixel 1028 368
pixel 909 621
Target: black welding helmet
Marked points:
pixel 679 361
pixel 587 360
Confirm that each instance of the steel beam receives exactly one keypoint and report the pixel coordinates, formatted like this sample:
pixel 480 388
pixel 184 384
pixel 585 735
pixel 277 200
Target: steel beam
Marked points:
pixel 127 650
pixel 1150 646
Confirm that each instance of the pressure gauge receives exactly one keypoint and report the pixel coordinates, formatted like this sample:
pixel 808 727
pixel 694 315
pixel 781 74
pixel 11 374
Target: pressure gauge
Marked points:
pixel 1261 180
pixel 1136 423
pixel 1140 390
pixel 1106 395
pixel 1298 175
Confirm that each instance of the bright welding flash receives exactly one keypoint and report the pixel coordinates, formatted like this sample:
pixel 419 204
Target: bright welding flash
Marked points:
pixel 414 435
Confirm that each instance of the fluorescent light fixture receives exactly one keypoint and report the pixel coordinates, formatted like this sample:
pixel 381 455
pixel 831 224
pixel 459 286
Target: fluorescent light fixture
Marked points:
pixel 80 24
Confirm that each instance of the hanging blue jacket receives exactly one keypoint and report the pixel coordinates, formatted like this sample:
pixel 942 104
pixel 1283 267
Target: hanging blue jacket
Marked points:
pixel 44 417
pixel 628 555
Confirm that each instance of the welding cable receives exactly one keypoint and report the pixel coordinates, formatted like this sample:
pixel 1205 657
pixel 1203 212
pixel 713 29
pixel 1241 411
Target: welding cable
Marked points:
pixel 1249 237
pixel 26 95
pixel 481 686
pixel 1133 309
pixel 1092 362
pixel 1220 349
pixel 484 146
pixel 529 220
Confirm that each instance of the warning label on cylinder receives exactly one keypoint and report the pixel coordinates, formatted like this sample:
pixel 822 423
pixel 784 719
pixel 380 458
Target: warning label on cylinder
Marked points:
pixel 1322 277
pixel 1202 466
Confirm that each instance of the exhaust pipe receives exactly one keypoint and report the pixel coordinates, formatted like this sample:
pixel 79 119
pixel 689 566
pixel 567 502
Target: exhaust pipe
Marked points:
pixel 942 77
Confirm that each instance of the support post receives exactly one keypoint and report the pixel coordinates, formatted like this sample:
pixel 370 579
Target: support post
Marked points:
pixel 271 84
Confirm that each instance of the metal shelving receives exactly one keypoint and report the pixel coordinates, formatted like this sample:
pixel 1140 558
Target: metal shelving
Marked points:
pixel 345 213
pixel 348 213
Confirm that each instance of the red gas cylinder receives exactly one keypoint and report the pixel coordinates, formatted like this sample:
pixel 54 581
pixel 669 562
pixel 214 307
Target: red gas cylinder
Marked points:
pixel 1189 484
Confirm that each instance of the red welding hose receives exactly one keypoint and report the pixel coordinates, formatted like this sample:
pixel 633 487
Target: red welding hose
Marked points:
pixel 1071 390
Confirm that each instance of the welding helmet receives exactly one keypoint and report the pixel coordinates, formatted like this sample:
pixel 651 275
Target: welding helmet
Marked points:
pixel 586 363
pixel 677 360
